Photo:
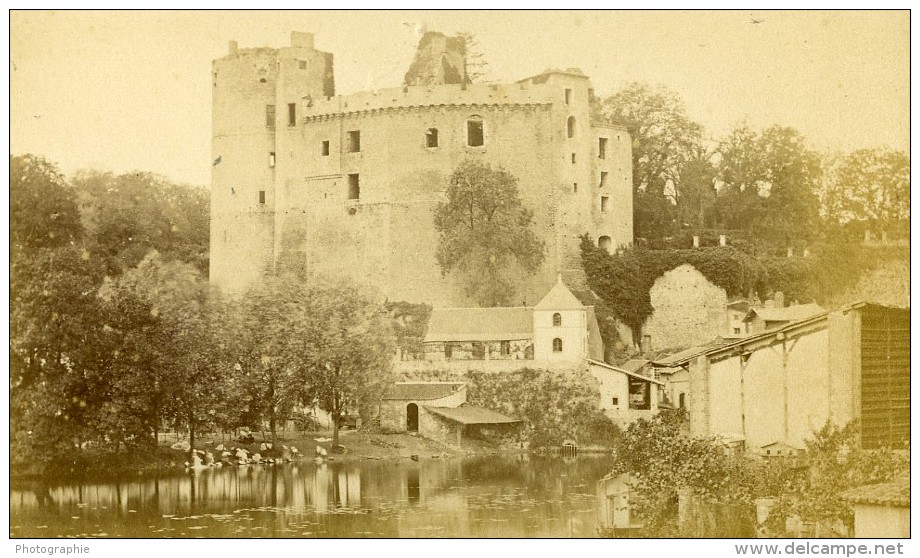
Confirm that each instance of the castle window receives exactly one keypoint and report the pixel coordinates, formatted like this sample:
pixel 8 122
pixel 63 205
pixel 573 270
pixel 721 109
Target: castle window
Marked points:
pixel 354 186
pixel 270 116
pixel 302 64
pixel 354 141
pixel 262 197
pixel 604 200
pixel 448 350
pixel 570 126
pixel 557 319
pixel 325 148
pixel 568 96
pixel 431 137
pixel 271 158
pixel 575 187
pixel 615 400
pixel 602 148
pixel 573 158
pixel 292 114
pixel 474 132
pixel 557 345
pixel 603 178
pixel 604 242
pixel 506 348
pixel 682 401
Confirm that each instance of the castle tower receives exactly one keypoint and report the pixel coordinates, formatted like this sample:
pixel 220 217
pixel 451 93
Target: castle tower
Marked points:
pixel 256 94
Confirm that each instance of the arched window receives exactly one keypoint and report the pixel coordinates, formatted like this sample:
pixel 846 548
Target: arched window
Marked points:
pixel 475 136
pixel 557 345
pixel 557 319
pixel 570 126
pixel 681 402
pixel 604 242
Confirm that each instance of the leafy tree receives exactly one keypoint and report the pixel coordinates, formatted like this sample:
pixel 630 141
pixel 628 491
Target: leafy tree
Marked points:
pixel 477 67
pixel 484 233
pixel 277 320
pixel 871 186
pixel 43 209
pixel 410 322
pixel 664 139
pixel 661 460
pixel 769 184
pixel 348 350
pixel 125 216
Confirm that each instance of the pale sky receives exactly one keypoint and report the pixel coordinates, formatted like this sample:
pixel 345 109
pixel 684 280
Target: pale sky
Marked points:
pixel 131 90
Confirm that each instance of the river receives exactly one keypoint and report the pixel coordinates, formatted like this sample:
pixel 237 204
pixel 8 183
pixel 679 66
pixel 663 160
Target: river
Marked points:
pixel 487 496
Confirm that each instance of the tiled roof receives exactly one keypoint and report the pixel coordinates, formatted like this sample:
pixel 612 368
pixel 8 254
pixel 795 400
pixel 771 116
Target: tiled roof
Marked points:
pixel 468 414
pixel 786 314
pixel 421 391
pixel 559 298
pixel 686 354
pixel 894 493
pixel 480 324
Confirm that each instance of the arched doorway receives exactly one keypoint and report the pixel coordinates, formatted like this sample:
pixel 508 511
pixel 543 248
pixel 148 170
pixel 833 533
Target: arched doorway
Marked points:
pixel 412 417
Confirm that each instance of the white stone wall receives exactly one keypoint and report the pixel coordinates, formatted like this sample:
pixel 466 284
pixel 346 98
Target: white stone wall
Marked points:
pixel 689 310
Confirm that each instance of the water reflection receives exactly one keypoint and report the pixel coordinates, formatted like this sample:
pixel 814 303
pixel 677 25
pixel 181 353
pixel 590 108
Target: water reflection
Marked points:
pixel 520 496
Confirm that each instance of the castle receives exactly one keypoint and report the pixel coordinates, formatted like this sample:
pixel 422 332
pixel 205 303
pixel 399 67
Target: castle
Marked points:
pixel 347 185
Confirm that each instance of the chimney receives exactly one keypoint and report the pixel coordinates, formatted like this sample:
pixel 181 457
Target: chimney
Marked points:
pixel 723 240
pixel 234 47
pixel 299 39
pixel 780 299
pixel 696 241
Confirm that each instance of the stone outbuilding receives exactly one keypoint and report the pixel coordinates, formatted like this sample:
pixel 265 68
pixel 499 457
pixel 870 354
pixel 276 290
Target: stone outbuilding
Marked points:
pixel 881 510
pixel 438 410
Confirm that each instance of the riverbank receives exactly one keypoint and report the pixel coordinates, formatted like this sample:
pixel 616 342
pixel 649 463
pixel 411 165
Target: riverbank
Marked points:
pixel 173 453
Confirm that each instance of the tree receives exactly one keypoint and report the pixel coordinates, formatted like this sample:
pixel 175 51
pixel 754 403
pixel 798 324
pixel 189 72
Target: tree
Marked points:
pixel 769 184
pixel 477 67
pixel 871 186
pixel 348 350
pixel 277 321
pixel 125 216
pixel 664 140
pixel 484 233
pixel 43 209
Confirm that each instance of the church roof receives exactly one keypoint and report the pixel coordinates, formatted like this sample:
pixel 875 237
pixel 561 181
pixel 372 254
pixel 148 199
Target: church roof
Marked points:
pixel 480 324
pixel 559 298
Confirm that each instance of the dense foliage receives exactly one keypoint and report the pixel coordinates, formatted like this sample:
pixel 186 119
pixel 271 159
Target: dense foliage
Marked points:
pixel 484 233
pixel 111 339
pixel 624 279
pixel 555 407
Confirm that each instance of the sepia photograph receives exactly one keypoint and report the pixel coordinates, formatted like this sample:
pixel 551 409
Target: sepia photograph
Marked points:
pixel 459 274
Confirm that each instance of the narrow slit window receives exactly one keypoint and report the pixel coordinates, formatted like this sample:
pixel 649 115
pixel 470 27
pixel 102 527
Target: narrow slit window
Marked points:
pixel 262 197
pixel 292 114
pixel 474 132
pixel 603 179
pixel 574 187
pixel 354 141
pixel 325 148
pixel 604 204
pixel 302 64
pixel 271 158
pixel 570 127
pixel 568 96
pixel 602 148
pixel 431 137
pixel 354 186
pixel 270 116
pixel 573 158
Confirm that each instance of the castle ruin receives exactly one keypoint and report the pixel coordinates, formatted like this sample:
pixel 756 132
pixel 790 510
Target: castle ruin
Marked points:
pixel 346 185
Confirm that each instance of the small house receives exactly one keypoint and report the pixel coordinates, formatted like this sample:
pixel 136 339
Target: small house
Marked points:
pixel 881 510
